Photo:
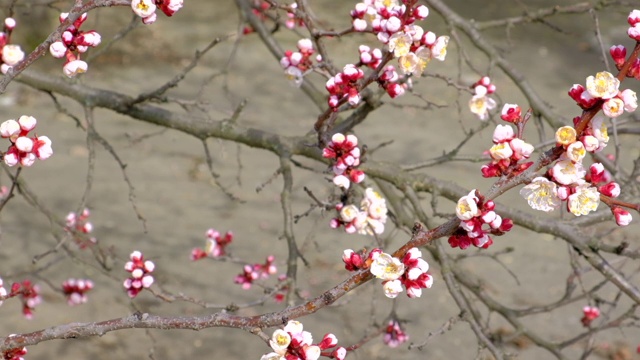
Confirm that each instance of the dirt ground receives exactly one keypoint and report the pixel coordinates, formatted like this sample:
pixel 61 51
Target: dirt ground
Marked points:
pixel 175 193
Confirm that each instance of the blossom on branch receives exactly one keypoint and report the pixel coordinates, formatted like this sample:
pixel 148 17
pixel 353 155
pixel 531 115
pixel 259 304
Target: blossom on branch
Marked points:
pixel 146 9
pixel 76 290
pixel 10 54
pixel 24 150
pixel 79 227
pixel 73 43
pixel 475 212
pixel 394 335
pixel 253 272
pixel 410 272
pixel 292 342
pixel 215 246
pixel 140 270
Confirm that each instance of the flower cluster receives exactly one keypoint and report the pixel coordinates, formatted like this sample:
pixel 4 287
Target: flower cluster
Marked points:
pixel 297 63
pixel 73 43
pixel 29 295
pixel 590 313
pixel 140 270
pixel 634 20
pixel 10 54
pixel 568 179
pixel 76 290
pixel 369 219
pixel 344 85
pixel 146 9
pixel 394 334
pixel 345 151
pixel 506 152
pixel 251 273
pixel 14 354
pixel 603 90
pixel 474 213
pixel 24 150
pixel 79 227
pixel 394 24
pixel 293 20
pixel 215 247
pixel 411 272
pixel 480 103
pixel 293 343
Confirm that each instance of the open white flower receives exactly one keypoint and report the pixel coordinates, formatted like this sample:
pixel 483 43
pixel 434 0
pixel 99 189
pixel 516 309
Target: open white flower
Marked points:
pixel 541 194
pixel 280 341
pixel 12 54
pixel 584 200
pixel 387 267
pixel 467 207
pixel 604 85
pixel 143 8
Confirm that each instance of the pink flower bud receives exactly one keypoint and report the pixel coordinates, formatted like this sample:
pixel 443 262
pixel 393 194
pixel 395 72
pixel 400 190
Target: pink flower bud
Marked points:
pixel 611 189
pixel 27 123
pixel 634 32
pixel 11 157
pixel 359 25
pixel 328 341
pixel 618 54
pixel 58 49
pixel 24 144
pixel 28 159
pixel 510 112
pixel 10 129
pixel 147 281
pixel 42 148
pixel 623 217
pixel 421 12
pixel 340 353
pixel 342 181
pixel 634 17
pixel 503 133
pixel 9 23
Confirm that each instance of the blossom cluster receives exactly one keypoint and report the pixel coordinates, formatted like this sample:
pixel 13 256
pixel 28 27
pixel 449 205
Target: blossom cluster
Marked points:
pixel 76 290
pixel 9 53
pixel 297 63
pixel 24 150
pixel 215 246
pixel 14 354
pixel 394 334
pixel 73 43
pixel 603 90
pixel 79 227
pixel 568 180
pixel 293 343
pixel 507 151
pixel 590 313
pixel 474 213
pixel 29 295
pixel 344 85
pixel 253 272
pixel 394 24
pixel 140 270
pixel 146 9
pixel 345 151
pixel 368 219
pixel 480 103
pixel 410 272
pixel 634 20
